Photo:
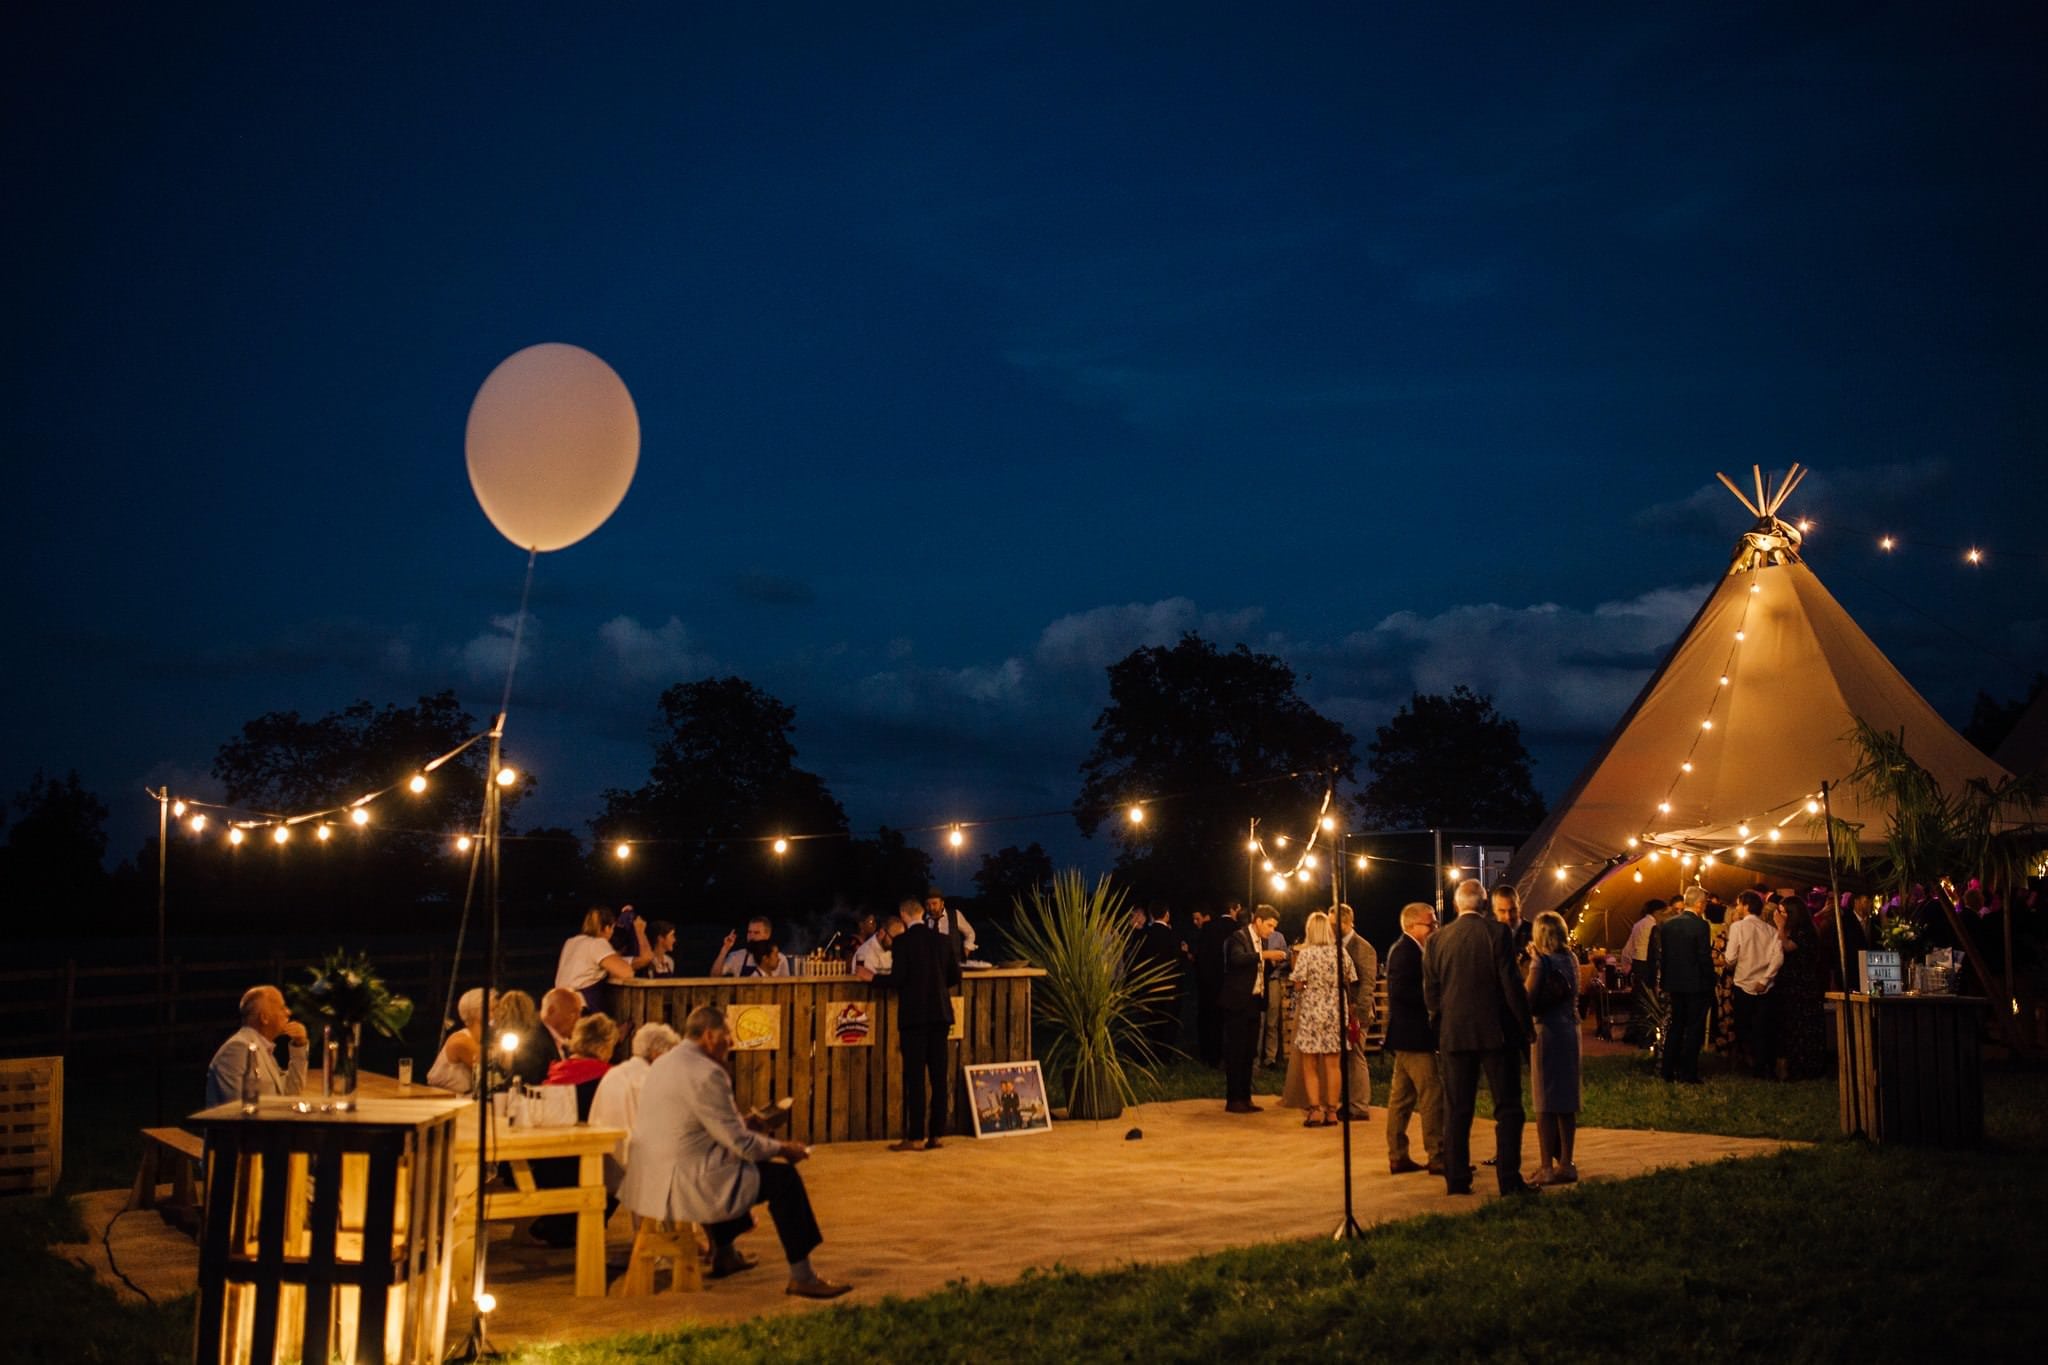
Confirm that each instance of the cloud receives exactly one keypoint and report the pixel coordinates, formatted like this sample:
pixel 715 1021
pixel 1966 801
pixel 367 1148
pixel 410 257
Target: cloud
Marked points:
pixel 660 655
pixel 486 657
pixel 1094 639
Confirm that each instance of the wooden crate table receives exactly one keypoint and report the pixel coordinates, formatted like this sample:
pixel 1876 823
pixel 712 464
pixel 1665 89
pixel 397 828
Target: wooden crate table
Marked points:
pixel 519 1148
pixel 31 1124
pixel 326 1233
pixel 1910 1069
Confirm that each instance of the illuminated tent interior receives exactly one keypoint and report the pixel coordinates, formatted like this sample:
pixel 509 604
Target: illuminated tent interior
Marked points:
pixel 1714 772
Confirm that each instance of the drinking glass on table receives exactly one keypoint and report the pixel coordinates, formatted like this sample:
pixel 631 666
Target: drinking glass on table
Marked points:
pixel 405 1073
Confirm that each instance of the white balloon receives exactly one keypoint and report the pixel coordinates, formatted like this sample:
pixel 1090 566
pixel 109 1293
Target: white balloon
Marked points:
pixel 553 441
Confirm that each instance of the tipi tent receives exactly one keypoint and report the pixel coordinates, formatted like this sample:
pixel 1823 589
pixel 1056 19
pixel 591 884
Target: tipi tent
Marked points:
pixel 1714 771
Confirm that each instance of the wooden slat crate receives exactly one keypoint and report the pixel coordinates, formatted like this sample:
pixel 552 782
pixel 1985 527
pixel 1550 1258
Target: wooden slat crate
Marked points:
pixel 31 1125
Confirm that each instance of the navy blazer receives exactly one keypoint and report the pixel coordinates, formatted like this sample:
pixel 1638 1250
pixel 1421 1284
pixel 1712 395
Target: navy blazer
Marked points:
pixel 1683 949
pixel 1475 994
pixel 1408 1028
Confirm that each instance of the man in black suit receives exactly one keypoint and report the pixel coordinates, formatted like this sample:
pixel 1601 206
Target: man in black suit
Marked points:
pixel 1156 945
pixel 1415 1086
pixel 1683 949
pixel 1242 998
pixel 924 971
pixel 1481 1015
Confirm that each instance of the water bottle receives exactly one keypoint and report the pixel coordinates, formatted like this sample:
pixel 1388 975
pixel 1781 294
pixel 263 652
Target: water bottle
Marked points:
pixel 252 1083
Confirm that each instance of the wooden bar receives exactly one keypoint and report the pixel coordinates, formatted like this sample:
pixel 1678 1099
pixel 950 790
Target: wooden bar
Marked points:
pixel 1911 1070
pixel 842 1094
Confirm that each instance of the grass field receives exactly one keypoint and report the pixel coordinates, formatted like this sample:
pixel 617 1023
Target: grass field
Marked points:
pixel 1837 1251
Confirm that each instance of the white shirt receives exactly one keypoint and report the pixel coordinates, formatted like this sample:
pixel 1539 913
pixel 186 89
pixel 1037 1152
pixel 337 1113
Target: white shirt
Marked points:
pixel 1753 950
pixel 739 962
pixel 450 1074
pixel 944 927
pixel 615 1105
pixel 1638 946
pixel 874 956
pixel 582 962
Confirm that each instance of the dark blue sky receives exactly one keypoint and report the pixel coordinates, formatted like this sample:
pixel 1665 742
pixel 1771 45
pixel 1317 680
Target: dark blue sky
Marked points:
pixel 974 347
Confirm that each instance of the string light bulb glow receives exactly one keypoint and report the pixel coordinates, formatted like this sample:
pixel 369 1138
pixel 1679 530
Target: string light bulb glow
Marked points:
pixel 507 776
pixel 1329 823
pixel 1742 830
pixel 324 833
pixel 1776 835
pixel 1560 874
pixel 1301 874
pixel 1308 860
pixel 1886 543
pixel 1724 680
pixel 1706 725
pixel 1741 854
pixel 1137 815
pixel 359 817
pixel 281 835
pixel 1664 808
pixel 956 838
pixel 622 850
pixel 418 784
pixel 508 1042
pixel 1279 882
pixel 235 836
pixel 1975 556
pixel 487 1302
pixel 463 843
pixel 177 810
pixel 1655 855
pixel 1638 877
pixel 1804 526
pixel 1740 636
pixel 1686 766
pixel 1279 841
pixel 1813 808
pixel 1363 862
pixel 780 846
pixel 198 823
pixel 1251 846
pixel 1268 867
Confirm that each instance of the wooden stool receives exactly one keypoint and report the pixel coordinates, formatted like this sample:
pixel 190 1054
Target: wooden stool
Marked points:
pixel 186 1153
pixel 653 1237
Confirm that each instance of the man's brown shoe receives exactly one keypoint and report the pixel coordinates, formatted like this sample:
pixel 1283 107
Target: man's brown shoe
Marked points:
pixel 1404 1167
pixel 906 1146
pixel 932 1144
pixel 817 1289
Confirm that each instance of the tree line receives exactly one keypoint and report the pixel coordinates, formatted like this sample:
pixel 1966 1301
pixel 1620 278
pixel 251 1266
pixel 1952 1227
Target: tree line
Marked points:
pixel 1208 738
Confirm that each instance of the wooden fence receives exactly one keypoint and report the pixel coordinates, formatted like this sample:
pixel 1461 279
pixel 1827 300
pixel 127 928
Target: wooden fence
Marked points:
pixel 76 1009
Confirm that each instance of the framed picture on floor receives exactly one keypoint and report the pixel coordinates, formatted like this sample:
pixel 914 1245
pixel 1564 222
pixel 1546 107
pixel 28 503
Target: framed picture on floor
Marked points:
pixel 1007 1099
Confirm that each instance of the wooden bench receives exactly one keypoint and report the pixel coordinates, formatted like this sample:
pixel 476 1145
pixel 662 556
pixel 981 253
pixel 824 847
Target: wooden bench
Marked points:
pixel 180 1156
pixel 31 1125
pixel 654 1238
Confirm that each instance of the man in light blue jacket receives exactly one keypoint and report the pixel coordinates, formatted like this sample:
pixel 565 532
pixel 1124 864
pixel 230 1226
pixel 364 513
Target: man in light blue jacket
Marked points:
pixel 696 1160
pixel 264 1020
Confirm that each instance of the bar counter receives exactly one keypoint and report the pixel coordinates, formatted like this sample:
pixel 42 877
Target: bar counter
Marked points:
pixel 843 1092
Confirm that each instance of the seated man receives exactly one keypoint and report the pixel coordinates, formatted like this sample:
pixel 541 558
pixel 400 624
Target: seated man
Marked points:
pixel 694 1159
pixel 264 1017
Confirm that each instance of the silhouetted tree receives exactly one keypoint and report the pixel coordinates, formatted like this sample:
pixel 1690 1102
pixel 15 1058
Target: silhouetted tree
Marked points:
pixel 1196 725
pixel 51 875
pixel 1451 763
pixel 1992 720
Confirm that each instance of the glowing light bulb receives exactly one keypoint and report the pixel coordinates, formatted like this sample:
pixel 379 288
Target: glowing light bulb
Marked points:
pixel 1453 869
pixel 956 838
pixel 1251 846
pixel 1742 830
pixel 418 783
pixel 177 810
pixel 1268 867
pixel 487 1302
pixel 781 845
pixel 1740 636
pixel 508 1042
pixel 622 850
pixel 1638 876
pixel 198 823
pixel 1454 874
pixel 324 833
pixel 1756 587
pixel 1685 860
pixel 1706 860
pixel 1632 841
pixel 1975 556
pixel 1560 874
pixel 1886 543
pixel 1279 841
pixel 1663 808
pixel 1813 808
pixel 1686 766
pixel 1363 862
pixel 1706 725
pixel 359 816
pixel 1776 835
pixel 464 843
pixel 1137 815
pixel 1655 856
pixel 281 835
pixel 1329 822
pixel 235 835
pixel 1724 680
pixel 507 776
pixel 1301 874
pixel 1279 882
pixel 1740 854
pixel 1308 860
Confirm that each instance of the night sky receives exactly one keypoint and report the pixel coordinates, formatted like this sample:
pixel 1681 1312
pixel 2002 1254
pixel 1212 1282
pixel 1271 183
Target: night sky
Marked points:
pixel 976 345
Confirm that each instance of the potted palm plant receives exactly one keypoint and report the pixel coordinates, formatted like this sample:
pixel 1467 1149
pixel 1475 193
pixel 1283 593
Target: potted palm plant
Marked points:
pixel 1094 1000
pixel 340 995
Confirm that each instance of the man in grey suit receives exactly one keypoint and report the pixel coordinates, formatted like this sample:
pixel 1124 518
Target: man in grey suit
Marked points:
pixel 1683 949
pixel 696 1160
pixel 264 1020
pixel 1481 1015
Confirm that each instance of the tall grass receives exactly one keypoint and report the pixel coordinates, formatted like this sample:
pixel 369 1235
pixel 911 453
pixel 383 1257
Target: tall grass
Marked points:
pixel 1095 1002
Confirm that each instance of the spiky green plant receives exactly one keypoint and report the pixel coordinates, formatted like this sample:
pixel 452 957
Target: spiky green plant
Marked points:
pixel 1987 830
pixel 1094 1000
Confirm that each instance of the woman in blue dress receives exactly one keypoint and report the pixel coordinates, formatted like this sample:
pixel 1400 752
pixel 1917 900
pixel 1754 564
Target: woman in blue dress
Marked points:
pixel 1552 981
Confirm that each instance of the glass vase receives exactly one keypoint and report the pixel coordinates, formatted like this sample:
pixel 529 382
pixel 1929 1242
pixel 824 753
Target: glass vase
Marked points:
pixel 344 1051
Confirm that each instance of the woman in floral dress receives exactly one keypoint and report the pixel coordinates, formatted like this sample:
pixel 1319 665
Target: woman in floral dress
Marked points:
pixel 1316 1037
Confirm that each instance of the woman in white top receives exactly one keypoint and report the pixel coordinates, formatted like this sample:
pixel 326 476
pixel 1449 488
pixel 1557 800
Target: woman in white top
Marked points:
pixel 455 1066
pixel 588 963
pixel 617 1102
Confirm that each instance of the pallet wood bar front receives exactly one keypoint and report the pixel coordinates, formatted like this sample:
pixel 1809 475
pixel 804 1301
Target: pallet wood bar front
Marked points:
pixel 842 1094
pixel 326 1235
pixel 1910 1068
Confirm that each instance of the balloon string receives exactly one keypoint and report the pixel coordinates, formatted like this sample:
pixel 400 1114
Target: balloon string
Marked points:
pixel 518 634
